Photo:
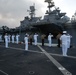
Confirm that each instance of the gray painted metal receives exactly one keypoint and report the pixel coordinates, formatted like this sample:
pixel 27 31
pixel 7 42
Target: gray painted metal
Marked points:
pixel 56 63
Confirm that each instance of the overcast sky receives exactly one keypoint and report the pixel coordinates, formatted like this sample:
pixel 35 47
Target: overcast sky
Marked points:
pixel 14 11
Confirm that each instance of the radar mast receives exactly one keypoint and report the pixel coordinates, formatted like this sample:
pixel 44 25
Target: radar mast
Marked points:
pixel 32 11
pixel 50 5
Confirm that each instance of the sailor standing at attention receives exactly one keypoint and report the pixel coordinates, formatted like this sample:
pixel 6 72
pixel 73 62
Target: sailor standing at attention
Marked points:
pixel 6 40
pixel 17 38
pixel 30 38
pixel 49 39
pixel 58 38
pixel 43 38
pixel 35 38
pixel 13 36
pixel 69 40
pixel 26 42
pixel 63 39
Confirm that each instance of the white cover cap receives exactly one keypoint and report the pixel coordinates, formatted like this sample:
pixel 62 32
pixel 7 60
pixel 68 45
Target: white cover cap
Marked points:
pixel 64 31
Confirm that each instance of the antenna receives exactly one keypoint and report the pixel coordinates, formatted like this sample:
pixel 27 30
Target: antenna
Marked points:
pixel 32 11
pixel 50 5
pixel 34 8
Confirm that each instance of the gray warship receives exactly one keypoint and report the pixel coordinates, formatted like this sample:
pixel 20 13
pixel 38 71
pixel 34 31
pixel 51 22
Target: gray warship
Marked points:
pixel 53 21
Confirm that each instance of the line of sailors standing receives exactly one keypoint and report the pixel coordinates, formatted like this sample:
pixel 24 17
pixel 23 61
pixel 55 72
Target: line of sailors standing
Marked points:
pixel 9 37
pixel 65 40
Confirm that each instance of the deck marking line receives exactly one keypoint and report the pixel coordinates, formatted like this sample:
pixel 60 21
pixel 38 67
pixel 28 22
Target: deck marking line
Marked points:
pixel 24 50
pixel 57 64
pixel 39 52
pixel 62 55
pixel 3 72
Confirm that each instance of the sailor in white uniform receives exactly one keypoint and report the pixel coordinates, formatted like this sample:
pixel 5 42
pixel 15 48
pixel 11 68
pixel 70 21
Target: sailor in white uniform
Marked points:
pixel 27 34
pixel 17 38
pixel 63 39
pixel 26 42
pixel 35 38
pixel 50 39
pixel 69 40
pixel 13 36
pixel 6 40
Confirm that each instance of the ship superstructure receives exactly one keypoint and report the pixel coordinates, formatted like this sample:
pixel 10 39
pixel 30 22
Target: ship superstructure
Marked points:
pixel 28 20
pixel 55 16
pixel 73 19
pixel 53 21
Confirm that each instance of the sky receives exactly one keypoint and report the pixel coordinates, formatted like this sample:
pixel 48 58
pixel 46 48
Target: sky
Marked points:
pixel 14 11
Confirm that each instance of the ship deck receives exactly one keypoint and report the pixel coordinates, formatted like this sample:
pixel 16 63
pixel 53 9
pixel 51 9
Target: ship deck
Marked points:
pixel 38 60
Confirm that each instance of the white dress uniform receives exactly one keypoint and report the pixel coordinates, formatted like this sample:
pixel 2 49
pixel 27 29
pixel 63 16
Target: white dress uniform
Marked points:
pixel 50 40
pixel 69 40
pixel 63 39
pixel 35 39
pixel 9 36
pixel 6 40
pixel 13 36
pixel 17 38
pixel 26 42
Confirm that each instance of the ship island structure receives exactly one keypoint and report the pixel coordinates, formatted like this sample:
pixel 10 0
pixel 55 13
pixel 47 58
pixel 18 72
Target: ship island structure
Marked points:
pixel 53 21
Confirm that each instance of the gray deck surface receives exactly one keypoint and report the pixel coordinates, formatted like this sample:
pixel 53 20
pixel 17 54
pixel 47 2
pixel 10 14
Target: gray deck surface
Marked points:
pixel 16 61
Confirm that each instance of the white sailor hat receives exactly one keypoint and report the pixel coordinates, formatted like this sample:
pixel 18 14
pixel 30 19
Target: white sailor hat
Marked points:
pixel 64 31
